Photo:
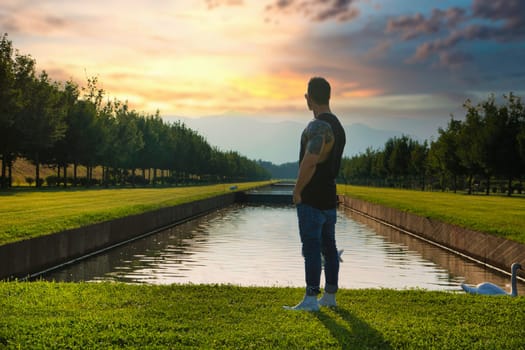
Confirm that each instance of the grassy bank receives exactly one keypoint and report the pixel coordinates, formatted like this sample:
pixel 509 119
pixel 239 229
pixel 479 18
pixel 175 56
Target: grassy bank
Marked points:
pixel 29 213
pixel 110 315
pixel 497 215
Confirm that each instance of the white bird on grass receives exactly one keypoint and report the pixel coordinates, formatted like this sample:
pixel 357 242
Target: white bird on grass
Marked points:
pixel 488 288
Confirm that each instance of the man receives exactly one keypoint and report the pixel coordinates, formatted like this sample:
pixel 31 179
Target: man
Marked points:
pixel 322 144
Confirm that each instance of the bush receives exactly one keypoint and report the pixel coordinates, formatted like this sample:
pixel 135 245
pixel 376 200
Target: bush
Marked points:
pixel 29 180
pixel 52 180
pixel 137 180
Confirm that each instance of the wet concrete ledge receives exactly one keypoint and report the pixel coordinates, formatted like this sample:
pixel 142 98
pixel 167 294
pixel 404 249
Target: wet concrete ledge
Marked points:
pixel 24 258
pixel 487 249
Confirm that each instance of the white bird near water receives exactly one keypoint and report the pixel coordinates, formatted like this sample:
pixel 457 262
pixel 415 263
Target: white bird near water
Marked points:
pixel 488 288
pixel 339 253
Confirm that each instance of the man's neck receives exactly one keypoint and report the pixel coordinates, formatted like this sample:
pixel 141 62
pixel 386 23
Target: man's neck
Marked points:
pixel 321 110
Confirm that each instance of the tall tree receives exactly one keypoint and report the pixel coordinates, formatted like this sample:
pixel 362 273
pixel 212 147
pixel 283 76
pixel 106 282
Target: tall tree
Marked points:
pixel 65 149
pixel 17 73
pixel 151 129
pixel 129 140
pixel 471 143
pixel 443 154
pixel 42 120
pixel 508 160
pixel 8 106
pixel 399 158
pixel 418 162
pixel 521 137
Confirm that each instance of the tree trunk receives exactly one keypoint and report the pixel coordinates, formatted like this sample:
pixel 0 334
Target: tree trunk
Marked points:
pixel 37 170
pixel 75 165
pixel 88 176
pixel 470 178
pixel 154 176
pixel 37 175
pixel 509 189
pixel 487 191
pixel 65 176
pixel 10 173
pixel 105 177
pixel 3 182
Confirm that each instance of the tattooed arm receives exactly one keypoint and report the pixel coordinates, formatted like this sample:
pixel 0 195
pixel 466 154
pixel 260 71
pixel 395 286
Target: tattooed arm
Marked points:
pixel 318 139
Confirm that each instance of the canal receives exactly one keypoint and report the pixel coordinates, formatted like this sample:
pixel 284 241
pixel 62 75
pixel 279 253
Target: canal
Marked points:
pixel 258 245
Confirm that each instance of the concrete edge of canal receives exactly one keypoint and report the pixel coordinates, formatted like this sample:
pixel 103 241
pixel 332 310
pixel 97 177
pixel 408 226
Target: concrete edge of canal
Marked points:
pixel 485 248
pixel 30 257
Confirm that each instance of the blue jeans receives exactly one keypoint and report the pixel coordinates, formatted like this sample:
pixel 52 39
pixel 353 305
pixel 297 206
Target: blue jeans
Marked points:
pixel 317 231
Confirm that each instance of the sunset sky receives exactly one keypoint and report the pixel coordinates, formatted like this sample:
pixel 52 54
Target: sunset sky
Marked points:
pixel 390 62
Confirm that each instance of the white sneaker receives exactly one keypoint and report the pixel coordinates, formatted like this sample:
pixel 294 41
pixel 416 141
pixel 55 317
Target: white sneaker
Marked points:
pixel 309 303
pixel 328 299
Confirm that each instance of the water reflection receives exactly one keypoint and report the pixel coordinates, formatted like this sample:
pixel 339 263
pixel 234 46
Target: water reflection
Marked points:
pixel 259 245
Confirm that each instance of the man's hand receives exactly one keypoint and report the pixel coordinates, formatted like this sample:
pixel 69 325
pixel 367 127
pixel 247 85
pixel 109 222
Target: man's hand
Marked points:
pixel 296 197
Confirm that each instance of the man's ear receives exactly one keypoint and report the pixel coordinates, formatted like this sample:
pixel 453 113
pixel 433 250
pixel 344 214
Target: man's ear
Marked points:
pixel 309 102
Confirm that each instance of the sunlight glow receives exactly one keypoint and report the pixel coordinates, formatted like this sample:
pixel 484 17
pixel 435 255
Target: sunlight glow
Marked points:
pixel 198 57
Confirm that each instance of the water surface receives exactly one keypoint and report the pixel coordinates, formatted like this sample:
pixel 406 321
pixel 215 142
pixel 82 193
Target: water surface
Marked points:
pixel 258 245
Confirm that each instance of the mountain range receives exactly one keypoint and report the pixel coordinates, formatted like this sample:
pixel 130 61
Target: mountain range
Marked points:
pixel 278 141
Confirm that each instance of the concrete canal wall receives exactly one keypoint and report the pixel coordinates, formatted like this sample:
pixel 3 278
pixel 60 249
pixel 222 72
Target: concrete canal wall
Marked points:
pixel 25 258
pixel 486 248
pixel 21 259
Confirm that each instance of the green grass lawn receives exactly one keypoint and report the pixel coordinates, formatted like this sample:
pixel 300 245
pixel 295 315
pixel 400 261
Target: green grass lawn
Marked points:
pixel 39 315
pixel 502 216
pixel 113 315
pixel 30 213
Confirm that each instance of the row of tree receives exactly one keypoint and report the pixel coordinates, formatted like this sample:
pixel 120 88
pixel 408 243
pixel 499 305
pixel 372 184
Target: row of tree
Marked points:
pixel 60 124
pixel 483 152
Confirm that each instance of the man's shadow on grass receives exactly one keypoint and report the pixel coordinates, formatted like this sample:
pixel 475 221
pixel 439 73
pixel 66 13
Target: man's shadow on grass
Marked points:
pixel 351 332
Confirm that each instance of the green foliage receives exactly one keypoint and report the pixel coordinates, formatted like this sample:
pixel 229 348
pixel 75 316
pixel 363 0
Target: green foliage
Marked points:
pixel 51 123
pixel 402 163
pixel 282 171
pixel 488 146
pixel 17 73
pixel 112 315
pixel 29 180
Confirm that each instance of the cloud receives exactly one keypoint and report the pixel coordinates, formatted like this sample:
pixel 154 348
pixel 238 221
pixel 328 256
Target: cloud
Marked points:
pixel 379 51
pixel 217 3
pixel 318 11
pixel 414 26
pixel 33 22
pixel 499 21
pixel 454 59
pixel 510 12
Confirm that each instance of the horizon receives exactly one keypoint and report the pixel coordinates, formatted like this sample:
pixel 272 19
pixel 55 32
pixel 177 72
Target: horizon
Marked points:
pixel 235 133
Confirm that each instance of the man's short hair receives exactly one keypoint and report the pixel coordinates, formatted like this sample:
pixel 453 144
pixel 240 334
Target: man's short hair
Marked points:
pixel 319 90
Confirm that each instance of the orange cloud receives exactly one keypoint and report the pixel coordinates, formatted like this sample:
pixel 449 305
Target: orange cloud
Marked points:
pixel 277 86
pixel 362 93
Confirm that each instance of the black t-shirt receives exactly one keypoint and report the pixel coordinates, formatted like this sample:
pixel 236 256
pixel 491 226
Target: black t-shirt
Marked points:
pixel 320 192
